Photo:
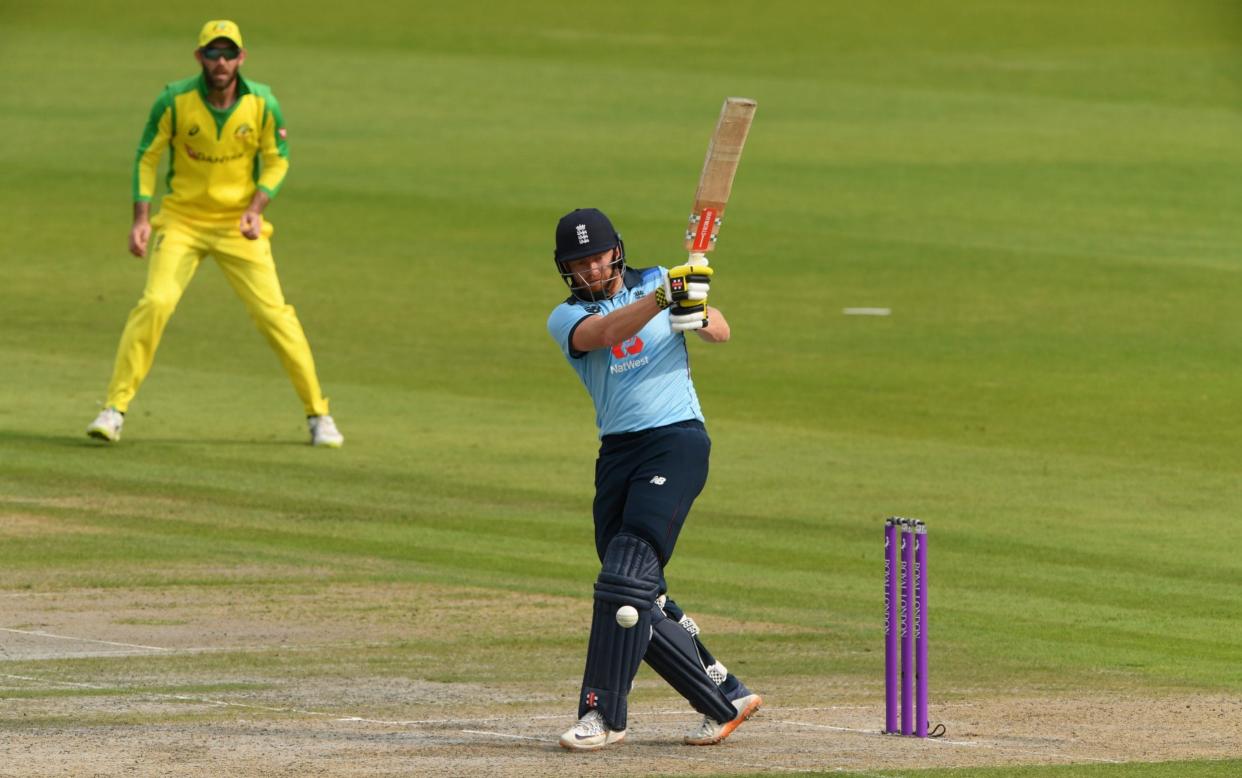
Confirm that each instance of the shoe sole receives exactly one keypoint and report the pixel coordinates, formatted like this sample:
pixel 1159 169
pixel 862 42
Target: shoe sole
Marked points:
pixel 745 714
pixel 101 434
pixel 573 746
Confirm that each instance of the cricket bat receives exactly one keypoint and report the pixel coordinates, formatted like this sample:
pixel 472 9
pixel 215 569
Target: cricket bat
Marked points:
pixel 724 151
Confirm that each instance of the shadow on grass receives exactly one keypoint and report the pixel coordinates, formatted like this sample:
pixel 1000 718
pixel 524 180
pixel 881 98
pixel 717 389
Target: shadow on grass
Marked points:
pixel 83 441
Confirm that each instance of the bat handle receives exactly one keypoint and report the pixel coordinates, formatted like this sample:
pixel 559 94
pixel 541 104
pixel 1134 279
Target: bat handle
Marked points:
pixel 697 259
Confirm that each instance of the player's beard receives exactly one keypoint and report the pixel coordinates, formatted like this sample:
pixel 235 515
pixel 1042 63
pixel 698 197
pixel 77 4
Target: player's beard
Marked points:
pixel 607 287
pixel 210 78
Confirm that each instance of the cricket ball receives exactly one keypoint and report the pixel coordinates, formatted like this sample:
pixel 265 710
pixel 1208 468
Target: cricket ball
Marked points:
pixel 627 616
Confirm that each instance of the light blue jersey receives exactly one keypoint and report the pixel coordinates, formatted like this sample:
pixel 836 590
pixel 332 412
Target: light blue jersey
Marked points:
pixel 641 383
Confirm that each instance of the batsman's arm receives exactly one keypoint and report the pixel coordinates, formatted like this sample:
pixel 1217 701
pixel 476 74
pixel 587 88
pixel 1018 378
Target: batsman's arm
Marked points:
pixel 596 332
pixel 717 329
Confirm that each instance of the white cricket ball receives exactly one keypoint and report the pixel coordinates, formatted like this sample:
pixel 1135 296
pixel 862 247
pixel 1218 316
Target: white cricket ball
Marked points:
pixel 627 616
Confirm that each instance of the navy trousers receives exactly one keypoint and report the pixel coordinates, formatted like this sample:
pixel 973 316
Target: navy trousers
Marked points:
pixel 645 483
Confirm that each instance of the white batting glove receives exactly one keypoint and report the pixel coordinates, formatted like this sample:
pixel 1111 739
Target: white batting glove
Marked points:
pixel 683 317
pixel 684 283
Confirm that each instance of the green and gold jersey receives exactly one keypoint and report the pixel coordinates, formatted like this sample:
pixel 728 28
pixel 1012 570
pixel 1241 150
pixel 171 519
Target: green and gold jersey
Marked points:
pixel 218 157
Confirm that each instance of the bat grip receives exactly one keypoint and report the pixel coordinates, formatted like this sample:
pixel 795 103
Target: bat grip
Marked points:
pixel 697 259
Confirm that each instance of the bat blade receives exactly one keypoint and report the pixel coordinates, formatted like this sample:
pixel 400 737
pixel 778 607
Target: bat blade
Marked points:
pixel 724 151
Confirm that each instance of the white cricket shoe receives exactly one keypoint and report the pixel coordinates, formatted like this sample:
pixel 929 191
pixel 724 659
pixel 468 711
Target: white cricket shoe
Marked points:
pixel 323 432
pixel 590 733
pixel 107 425
pixel 710 732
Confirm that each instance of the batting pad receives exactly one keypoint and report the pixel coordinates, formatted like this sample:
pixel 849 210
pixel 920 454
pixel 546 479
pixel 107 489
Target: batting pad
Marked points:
pixel 630 576
pixel 674 654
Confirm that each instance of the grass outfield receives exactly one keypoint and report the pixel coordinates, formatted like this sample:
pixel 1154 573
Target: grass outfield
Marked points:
pixel 1042 194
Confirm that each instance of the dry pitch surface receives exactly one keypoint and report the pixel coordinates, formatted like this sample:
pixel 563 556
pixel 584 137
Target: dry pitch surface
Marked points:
pixel 120 718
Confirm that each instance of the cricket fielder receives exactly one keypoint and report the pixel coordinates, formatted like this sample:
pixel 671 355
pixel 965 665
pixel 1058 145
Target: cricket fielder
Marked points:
pixel 623 332
pixel 229 156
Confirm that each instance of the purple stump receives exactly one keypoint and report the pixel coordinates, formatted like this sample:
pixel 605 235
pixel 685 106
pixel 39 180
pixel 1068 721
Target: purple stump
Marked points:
pixel 907 627
pixel 920 627
pixel 891 605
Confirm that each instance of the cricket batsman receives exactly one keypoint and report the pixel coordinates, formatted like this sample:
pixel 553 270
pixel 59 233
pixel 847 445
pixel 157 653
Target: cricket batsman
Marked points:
pixel 229 155
pixel 623 331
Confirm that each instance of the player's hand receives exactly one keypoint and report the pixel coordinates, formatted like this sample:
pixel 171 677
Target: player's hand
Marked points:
pixel 251 225
pixel 139 234
pixel 683 317
pixel 684 283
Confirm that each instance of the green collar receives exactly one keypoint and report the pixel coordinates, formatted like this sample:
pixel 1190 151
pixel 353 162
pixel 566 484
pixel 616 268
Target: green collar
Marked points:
pixel 222 115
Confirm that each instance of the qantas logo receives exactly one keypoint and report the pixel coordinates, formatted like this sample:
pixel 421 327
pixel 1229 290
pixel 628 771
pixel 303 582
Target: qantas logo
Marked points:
pixel 201 157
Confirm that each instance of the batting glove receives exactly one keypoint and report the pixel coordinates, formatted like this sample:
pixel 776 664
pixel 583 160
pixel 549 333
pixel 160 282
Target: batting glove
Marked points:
pixel 684 283
pixel 683 317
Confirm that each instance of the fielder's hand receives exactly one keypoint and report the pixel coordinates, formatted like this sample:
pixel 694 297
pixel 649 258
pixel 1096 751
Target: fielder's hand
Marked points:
pixel 251 225
pixel 684 317
pixel 139 234
pixel 684 283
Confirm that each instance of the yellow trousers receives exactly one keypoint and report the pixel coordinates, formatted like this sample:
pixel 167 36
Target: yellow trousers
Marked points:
pixel 175 250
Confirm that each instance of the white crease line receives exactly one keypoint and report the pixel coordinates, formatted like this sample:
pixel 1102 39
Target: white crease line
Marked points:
pixel 1001 745
pixel 83 640
pixel 52 681
pixel 764 766
pixel 826 726
pixel 181 697
pixel 866 311
pixel 824 707
pixel 994 744
pixel 338 718
pixel 416 722
pixel 664 756
pixel 504 734
pixel 484 719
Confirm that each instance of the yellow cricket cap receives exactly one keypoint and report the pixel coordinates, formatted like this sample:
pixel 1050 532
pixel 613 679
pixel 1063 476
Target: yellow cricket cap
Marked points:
pixel 220 28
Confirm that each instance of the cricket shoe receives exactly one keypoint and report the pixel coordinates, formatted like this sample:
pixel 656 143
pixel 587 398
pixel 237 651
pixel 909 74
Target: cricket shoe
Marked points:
pixel 710 732
pixel 323 432
pixel 590 733
pixel 107 425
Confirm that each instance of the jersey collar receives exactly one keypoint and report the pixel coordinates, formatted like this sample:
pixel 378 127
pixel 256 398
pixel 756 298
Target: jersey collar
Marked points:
pixel 243 89
pixel 221 115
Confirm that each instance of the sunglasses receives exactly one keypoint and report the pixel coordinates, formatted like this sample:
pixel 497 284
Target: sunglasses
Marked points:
pixel 229 53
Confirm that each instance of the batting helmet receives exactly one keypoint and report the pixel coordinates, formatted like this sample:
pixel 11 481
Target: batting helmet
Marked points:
pixel 584 232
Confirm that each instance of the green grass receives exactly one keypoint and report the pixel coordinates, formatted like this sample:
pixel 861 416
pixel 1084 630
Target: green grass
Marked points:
pixel 1044 194
pixel 1195 769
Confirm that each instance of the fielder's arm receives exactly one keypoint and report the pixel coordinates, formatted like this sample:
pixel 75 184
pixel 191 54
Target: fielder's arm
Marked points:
pixel 155 136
